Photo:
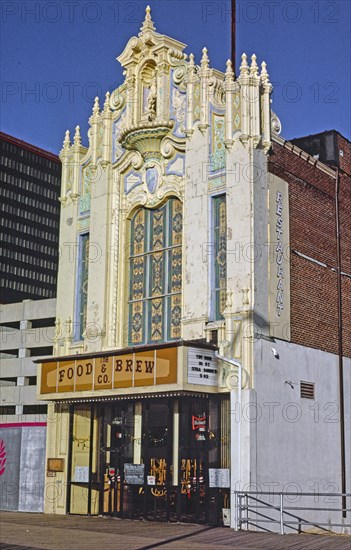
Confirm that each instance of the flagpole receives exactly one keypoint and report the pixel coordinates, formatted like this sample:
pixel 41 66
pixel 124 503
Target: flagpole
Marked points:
pixel 233 34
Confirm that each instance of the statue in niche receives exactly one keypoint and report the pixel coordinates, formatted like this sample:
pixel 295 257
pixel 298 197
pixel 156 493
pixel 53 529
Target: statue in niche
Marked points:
pixel 151 99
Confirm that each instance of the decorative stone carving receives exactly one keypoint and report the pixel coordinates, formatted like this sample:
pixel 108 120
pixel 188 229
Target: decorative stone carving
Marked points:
pixel 167 185
pixel 146 138
pixel 152 100
pixel 275 123
pixel 178 109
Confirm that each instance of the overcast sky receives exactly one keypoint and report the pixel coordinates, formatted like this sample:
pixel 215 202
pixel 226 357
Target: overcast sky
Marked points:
pixel 57 55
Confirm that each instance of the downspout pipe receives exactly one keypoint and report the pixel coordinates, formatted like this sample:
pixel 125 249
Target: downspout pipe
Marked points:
pixel 233 502
pixel 340 346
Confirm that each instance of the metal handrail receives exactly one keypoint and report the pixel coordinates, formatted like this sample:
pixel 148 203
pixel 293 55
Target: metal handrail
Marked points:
pixel 293 494
pixel 242 511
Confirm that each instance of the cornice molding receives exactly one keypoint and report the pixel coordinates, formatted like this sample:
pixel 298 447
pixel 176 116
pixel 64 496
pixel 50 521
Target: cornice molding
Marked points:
pixel 302 154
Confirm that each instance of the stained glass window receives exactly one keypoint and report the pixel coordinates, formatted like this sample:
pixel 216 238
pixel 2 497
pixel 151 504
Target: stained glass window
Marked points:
pixel 220 254
pixel 156 274
pixel 82 290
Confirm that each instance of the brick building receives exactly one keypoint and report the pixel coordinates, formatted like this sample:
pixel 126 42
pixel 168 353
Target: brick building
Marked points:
pixel 312 177
pixel 196 351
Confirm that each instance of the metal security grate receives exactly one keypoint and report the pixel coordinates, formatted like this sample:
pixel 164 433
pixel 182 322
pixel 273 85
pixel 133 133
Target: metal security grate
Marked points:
pixel 307 390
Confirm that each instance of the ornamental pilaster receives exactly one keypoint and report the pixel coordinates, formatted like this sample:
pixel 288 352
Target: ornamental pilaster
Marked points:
pixel 244 82
pixel 266 109
pixel 205 74
pixel 106 117
pixel 229 98
pixel 254 95
pixel 94 123
pixel 163 98
pixel 64 156
pixel 190 85
pixel 77 150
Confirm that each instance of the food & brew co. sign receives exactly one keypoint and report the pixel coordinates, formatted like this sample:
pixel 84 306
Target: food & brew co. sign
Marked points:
pixel 145 368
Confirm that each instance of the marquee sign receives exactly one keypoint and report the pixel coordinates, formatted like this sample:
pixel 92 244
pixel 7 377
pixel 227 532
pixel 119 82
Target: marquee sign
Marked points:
pixel 144 368
pixel 202 367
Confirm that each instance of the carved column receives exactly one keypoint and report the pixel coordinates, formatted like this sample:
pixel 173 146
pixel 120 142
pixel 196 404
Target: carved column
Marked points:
pixel 205 73
pixel 163 99
pixel 255 129
pixel 190 81
pixel 106 116
pixel 64 153
pixel 267 89
pixel 245 98
pixel 94 122
pixel 229 93
pixel 76 148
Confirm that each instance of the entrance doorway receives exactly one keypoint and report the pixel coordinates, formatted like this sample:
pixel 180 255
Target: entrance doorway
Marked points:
pixel 154 458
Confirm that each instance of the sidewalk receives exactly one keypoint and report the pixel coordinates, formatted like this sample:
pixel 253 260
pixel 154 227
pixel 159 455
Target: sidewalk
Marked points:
pixel 26 531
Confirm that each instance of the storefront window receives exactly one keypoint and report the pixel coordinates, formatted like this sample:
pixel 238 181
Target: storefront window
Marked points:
pixel 152 458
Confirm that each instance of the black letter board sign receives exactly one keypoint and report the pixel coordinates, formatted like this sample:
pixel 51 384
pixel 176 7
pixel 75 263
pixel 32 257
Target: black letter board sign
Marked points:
pixel 134 474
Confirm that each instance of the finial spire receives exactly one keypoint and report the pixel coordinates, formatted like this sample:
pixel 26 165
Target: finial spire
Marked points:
pixel 205 60
pixel 254 66
pixel 264 74
pixel 148 23
pixel 66 141
pixel 191 66
pixel 77 138
pixel 96 108
pixel 229 73
pixel 244 68
pixel 107 102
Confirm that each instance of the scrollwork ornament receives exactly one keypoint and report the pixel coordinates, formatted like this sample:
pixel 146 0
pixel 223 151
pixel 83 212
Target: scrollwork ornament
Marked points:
pixel 217 89
pixel 275 123
pixel 174 57
pixel 232 379
pixel 136 160
pixel 170 145
pixel 179 75
pixel 118 98
pixel 90 136
pixel 167 148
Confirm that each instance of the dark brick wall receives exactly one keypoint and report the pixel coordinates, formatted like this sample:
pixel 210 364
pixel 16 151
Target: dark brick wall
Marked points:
pixel 314 306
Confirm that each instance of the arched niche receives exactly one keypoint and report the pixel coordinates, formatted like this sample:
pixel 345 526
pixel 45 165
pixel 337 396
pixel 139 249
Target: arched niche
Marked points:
pixel 148 91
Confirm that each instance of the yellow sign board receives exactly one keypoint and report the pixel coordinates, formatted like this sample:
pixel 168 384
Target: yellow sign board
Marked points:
pixel 144 368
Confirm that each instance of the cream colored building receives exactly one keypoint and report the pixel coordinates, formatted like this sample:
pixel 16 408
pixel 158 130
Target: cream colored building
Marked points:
pixel 174 243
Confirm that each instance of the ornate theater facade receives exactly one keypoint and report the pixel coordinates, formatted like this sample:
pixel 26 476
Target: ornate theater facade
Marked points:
pixel 174 280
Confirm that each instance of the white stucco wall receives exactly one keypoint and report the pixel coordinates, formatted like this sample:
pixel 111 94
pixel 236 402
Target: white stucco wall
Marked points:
pixel 298 439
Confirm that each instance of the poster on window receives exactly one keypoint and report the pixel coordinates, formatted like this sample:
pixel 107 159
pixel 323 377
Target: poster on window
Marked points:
pixel 219 477
pixel 81 474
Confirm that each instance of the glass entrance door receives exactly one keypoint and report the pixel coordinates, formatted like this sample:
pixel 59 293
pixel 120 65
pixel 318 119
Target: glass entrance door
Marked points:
pixel 157 449
pixel 116 449
pixel 193 461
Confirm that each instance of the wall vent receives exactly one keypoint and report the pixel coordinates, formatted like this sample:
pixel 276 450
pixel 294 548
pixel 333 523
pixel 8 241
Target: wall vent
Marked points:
pixel 306 390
